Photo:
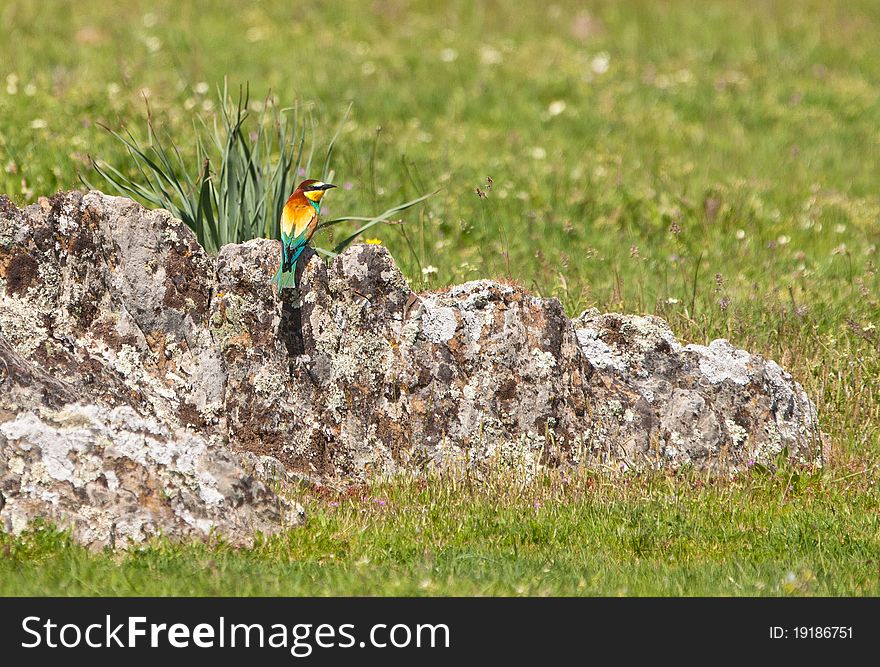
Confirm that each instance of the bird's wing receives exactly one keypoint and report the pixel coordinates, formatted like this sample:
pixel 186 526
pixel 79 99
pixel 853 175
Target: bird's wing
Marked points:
pixel 296 218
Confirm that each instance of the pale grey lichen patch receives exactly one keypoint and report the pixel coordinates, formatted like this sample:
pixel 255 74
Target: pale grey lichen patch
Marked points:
pixel 439 323
pixel 44 294
pixel 356 268
pixel 66 221
pixel 770 446
pixel 720 362
pixel 738 435
pixel 119 461
pixel 8 229
pixel 544 362
pixel 127 361
pixel 269 383
pixel 22 324
pixel 411 328
pixel 600 354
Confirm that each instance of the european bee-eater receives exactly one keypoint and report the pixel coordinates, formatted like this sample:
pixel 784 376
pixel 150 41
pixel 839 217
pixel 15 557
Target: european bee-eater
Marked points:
pixel 299 219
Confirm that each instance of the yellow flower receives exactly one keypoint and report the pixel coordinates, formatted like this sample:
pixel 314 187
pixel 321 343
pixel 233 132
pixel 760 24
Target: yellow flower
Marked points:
pixel 373 241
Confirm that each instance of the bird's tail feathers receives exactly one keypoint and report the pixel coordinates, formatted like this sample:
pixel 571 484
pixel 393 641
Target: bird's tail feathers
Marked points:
pixel 286 276
pixel 285 279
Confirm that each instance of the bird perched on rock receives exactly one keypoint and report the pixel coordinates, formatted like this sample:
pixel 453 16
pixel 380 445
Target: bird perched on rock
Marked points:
pixel 299 219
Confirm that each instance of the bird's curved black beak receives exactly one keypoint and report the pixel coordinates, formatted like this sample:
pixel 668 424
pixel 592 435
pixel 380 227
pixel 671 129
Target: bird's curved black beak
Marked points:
pixel 327 186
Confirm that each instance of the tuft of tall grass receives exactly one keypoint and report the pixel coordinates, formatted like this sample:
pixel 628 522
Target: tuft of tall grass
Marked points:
pixel 246 165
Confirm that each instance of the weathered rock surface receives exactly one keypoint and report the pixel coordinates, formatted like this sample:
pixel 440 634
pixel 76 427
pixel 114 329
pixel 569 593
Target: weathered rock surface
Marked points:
pixel 105 357
pixel 715 406
pixel 119 310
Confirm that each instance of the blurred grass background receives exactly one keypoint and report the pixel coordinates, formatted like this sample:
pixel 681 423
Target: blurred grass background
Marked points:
pixel 713 162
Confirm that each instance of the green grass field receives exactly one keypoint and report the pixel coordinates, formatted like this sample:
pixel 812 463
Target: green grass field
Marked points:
pixel 713 162
pixel 785 534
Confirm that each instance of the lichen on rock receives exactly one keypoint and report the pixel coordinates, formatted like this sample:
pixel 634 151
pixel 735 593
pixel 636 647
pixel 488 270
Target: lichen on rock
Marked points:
pixel 111 380
pixel 117 310
pixel 716 406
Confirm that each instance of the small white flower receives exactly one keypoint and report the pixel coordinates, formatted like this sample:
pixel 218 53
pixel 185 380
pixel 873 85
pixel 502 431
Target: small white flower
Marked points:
pixel 368 68
pixel 38 124
pixel 556 107
pixel 538 153
pixel 672 301
pixel 740 234
pixel 839 229
pixel 30 90
pixel 600 62
pixel 201 87
pixel 783 240
pixel 448 55
pixel 428 270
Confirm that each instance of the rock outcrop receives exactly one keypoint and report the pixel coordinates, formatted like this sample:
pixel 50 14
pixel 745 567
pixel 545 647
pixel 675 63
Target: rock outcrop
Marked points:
pixel 714 406
pixel 105 360
pixel 119 312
